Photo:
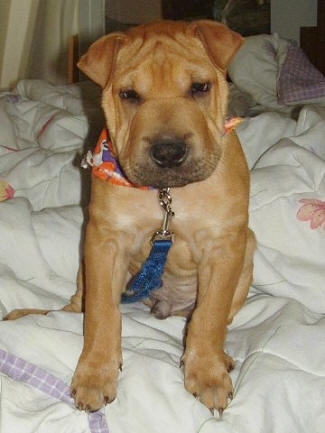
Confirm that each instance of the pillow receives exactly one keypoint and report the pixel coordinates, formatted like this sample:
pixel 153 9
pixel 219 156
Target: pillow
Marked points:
pixel 276 73
pixel 254 69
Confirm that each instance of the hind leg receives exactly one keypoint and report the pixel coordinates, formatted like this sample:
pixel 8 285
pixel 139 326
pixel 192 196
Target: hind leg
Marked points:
pixel 75 305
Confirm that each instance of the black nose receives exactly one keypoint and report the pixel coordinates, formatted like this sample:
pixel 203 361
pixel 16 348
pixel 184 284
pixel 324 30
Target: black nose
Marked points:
pixel 168 153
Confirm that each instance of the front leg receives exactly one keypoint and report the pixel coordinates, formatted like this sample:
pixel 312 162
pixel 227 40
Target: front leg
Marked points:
pixel 95 380
pixel 206 366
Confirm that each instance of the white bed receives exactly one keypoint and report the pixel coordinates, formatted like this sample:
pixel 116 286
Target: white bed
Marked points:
pixel 278 337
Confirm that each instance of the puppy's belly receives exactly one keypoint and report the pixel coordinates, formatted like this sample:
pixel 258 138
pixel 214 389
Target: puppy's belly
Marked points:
pixel 174 297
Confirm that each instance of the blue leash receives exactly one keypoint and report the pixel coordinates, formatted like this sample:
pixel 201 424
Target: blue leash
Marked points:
pixel 149 276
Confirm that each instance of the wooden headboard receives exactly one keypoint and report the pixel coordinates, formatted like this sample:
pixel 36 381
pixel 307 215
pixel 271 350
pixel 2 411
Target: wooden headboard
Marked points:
pixel 312 39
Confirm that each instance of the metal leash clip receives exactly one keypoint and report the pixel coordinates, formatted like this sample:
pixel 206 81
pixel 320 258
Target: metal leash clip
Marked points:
pixel 165 201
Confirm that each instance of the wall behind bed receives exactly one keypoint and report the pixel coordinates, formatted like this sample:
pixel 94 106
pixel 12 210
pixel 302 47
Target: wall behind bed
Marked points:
pixel 34 38
pixel 34 34
pixel 288 16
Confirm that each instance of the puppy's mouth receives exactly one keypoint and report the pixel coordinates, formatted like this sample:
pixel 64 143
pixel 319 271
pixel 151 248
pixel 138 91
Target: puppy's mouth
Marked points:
pixel 171 178
pixel 170 163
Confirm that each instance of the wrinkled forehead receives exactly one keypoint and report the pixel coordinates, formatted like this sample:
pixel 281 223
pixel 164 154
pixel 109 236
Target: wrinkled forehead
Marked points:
pixel 162 62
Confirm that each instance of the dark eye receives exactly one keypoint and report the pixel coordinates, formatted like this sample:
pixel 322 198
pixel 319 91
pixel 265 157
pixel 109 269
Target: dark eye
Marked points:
pixel 130 95
pixel 198 89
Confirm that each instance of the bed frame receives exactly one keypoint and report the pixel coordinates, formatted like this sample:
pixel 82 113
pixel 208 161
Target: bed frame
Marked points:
pixel 312 39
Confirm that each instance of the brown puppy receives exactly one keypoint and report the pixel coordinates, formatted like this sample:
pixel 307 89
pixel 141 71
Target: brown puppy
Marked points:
pixel 165 101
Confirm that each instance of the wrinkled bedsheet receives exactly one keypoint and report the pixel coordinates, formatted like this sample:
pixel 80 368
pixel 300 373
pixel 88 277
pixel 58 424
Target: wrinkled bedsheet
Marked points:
pixel 277 339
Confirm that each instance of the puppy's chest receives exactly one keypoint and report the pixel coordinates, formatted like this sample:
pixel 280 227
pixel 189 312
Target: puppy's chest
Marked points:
pixel 181 258
pixel 191 223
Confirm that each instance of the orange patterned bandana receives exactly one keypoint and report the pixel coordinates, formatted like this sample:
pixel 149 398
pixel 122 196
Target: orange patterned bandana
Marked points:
pixel 105 165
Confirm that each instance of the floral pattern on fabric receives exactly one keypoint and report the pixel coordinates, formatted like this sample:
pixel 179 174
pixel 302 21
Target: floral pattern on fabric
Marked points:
pixel 312 210
pixel 6 191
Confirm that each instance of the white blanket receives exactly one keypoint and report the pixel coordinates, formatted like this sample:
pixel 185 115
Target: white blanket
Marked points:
pixel 277 339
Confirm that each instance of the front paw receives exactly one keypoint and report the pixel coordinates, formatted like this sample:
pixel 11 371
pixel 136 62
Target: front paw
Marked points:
pixel 94 384
pixel 207 378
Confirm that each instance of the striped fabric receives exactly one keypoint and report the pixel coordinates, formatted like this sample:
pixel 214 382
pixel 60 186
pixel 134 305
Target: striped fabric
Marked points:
pixel 26 372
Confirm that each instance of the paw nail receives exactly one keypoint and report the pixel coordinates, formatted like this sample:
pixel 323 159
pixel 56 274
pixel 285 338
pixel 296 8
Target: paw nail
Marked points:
pixel 107 401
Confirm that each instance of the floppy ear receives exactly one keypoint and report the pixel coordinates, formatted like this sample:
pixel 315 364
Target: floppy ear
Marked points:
pixel 219 41
pixel 98 62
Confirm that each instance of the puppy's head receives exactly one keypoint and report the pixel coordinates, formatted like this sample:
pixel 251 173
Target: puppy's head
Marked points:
pixel 164 97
